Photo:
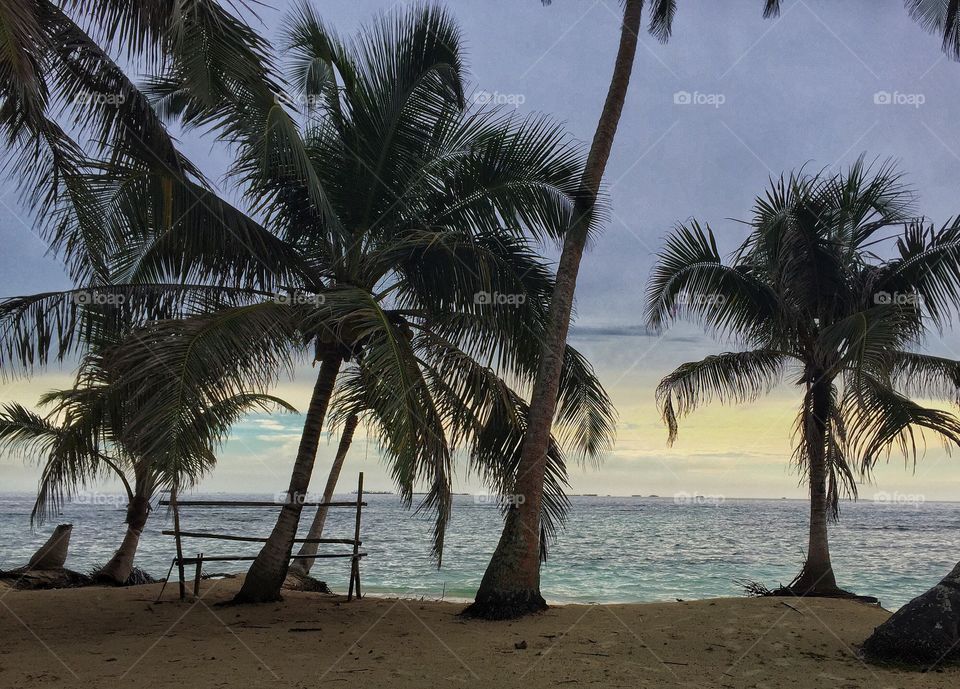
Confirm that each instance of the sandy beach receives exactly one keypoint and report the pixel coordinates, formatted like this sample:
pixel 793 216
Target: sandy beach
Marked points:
pixel 100 637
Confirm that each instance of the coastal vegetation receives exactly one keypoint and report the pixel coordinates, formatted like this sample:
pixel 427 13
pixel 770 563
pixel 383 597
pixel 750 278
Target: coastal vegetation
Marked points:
pixel 810 299
pixel 382 228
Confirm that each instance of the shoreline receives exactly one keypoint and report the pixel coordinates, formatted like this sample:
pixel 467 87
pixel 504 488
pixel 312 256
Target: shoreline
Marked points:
pixel 108 636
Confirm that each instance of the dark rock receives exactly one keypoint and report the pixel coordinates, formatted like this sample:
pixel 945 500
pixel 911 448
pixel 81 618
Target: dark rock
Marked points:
pixel 925 631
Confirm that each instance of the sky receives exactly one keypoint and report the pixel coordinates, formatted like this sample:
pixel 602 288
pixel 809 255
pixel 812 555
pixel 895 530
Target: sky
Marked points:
pixel 731 100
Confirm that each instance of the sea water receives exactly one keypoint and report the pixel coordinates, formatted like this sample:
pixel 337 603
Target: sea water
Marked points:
pixel 612 549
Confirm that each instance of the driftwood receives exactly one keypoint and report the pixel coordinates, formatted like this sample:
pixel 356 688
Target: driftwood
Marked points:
pixel 27 579
pixel 304 582
pixel 46 570
pixel 925 631
pixel 53 553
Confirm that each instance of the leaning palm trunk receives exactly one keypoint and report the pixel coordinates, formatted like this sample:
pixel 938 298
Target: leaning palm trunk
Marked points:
pixel 511 583
pixel 265 577
pixel 302 565
pixel 120 566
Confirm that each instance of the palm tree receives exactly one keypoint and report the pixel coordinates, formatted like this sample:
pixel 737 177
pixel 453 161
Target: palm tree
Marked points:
pixel 303 564
pixel 392 211
pixel 83 439
pixel 511 583
pixel 806 291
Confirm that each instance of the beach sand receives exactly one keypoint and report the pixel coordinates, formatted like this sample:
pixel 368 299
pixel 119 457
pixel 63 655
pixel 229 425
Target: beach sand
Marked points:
pixel 101 637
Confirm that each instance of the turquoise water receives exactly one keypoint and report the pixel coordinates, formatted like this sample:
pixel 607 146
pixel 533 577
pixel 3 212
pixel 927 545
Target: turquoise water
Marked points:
pixel 612 549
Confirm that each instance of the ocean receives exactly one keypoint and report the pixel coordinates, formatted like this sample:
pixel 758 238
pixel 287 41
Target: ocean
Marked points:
pixel 613 549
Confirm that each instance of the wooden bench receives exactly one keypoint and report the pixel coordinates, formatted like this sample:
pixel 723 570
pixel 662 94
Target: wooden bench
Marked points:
pixel 179 534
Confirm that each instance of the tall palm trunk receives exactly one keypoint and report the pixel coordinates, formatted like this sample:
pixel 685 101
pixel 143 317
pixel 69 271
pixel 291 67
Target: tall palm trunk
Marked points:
pixel 302 566
pixel 265 577
pixel 118 569
pixel 817 575
pixel 511 584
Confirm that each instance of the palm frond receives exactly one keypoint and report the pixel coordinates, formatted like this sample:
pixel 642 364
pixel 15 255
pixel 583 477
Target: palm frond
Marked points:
pixel 733 377
pixel 883 420
pixel 923 374
pixel 691 279
pixel 941 17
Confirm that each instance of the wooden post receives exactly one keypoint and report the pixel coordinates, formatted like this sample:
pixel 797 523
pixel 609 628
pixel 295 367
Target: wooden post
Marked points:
pixel 355 560
pixel 176 533
pixel 196 581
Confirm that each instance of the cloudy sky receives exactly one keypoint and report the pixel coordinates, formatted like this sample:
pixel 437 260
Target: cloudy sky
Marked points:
pixel 731 100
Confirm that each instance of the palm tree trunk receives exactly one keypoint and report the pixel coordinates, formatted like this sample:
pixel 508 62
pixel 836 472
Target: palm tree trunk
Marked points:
pixel 817 576
pixel 118 569
pixel 265 577
pixel 302 566
pixel 511 583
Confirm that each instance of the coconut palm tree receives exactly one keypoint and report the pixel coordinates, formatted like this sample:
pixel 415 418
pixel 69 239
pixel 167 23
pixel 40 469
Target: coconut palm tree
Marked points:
pixel 511 583
pixel 807 293
pixel 398 221
pixel 303 564
pixel 83 439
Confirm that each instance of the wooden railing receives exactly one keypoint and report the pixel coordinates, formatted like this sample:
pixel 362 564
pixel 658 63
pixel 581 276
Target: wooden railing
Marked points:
pixel 179 534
